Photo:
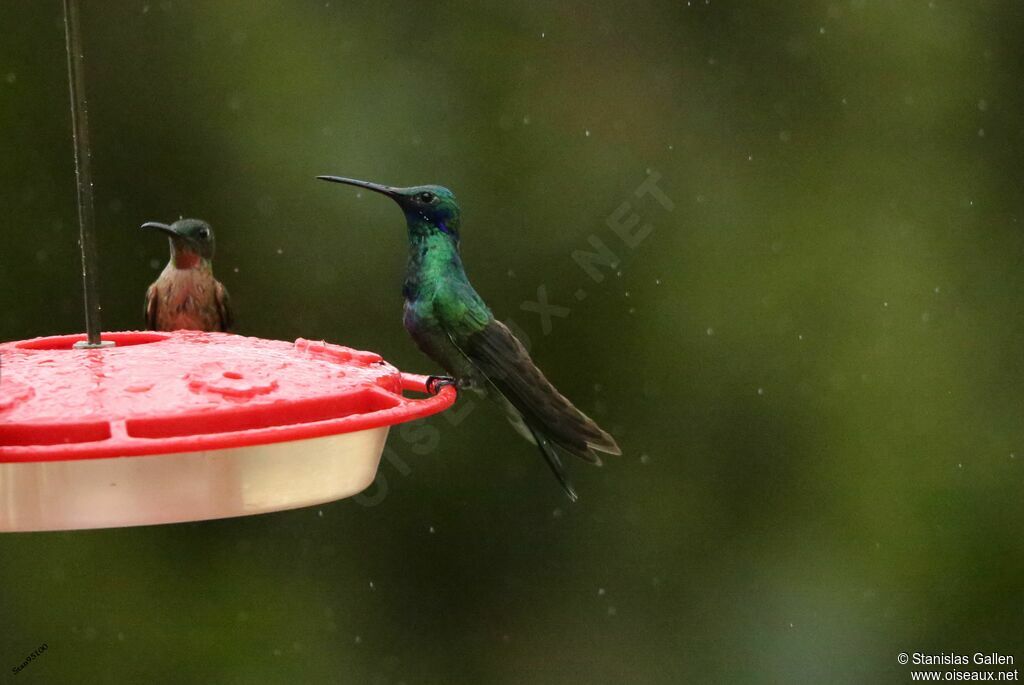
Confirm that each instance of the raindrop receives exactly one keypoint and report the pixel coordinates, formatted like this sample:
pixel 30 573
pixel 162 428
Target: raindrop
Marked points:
pixel 320 513
pixel 359 639
pixel 587 133
pixel 657 281
pixel 983 104
pixel 710 331
pixel 600 591
pixel 760 391
pixel 645 458
pixel 280 250
pixel 431 530
pixel 11 77
pixel 612 611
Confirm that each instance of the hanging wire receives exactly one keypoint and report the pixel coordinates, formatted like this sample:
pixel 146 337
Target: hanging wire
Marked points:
pixel 83 172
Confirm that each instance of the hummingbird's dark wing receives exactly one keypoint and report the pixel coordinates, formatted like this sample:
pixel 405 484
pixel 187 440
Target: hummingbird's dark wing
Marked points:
pixel 152 302
pixel 224 312
pixel 499 355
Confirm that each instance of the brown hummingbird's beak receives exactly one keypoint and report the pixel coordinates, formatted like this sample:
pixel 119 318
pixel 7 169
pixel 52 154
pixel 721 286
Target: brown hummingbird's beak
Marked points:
pixel 375 187
pixel 159 227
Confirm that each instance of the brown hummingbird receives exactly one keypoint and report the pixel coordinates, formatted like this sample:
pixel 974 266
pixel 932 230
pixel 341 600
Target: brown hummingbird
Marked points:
pixel 186 295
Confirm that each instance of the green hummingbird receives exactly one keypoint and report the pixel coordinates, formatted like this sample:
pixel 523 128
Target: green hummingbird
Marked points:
pixel 452 325
pixel 186 295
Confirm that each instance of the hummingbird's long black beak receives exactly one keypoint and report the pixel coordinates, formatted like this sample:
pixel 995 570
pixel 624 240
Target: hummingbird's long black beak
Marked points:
pixel 375 187
pixel 156 225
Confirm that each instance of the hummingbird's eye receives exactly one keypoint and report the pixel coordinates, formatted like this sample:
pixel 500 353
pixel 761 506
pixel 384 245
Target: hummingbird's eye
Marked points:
pixel 204 233
pixel 427 197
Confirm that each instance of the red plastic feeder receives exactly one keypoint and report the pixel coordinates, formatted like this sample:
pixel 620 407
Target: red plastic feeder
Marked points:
pixel 187 426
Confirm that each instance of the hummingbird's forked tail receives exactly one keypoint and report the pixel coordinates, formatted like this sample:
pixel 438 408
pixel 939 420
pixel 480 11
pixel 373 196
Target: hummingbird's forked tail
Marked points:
pixel 555 462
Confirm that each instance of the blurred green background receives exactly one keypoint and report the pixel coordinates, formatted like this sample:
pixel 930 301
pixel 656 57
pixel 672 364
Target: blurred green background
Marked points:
pixel 812 362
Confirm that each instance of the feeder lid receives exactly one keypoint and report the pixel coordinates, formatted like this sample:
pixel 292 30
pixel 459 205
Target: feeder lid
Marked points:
pixel 188 391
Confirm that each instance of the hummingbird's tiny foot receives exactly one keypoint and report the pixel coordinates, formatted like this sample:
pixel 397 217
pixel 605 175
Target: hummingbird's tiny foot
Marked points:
pixel 435 383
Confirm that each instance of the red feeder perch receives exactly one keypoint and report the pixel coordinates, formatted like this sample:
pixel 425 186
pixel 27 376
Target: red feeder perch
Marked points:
pixel 186 426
